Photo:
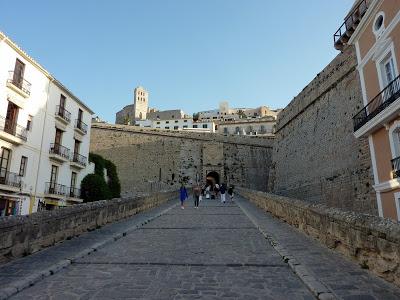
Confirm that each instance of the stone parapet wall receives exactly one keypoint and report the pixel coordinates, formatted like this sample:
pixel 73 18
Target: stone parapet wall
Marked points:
pixel 371 241
pixel 264 141
pixel 316 157
pixel 24 235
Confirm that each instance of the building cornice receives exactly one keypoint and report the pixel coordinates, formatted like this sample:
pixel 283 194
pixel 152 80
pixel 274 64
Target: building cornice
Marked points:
pixel 61 86
pixel 387 185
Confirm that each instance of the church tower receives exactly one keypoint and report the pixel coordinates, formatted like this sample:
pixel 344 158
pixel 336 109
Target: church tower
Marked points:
pixel 140 103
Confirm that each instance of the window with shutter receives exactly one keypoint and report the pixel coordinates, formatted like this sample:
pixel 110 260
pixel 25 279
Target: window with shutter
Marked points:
pixel 19 70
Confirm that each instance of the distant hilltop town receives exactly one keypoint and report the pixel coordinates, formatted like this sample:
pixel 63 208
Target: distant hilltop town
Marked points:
pixel 224 120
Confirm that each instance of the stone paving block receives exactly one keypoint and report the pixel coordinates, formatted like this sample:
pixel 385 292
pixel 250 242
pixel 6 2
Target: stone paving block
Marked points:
pixel 214 252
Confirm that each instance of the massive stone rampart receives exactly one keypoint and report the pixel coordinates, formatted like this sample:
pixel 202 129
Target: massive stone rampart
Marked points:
pixel 370 240
pixel 148 158
pixel 23 235
pixel 316 156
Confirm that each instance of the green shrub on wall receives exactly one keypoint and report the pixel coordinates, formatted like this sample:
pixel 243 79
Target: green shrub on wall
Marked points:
pixel 113 180
pixel 94 186
pixel 99 163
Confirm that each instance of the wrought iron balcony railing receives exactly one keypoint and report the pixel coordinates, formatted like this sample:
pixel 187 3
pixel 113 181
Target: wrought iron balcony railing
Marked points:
pixel 59 150
pixel 13 128
pixel 74 192
pixel 63 113
pixel 10 178
pixel 343 34
pixel 81 125
pixel 19 82
pixel 80 159
pixel 386 97
pixel 55 189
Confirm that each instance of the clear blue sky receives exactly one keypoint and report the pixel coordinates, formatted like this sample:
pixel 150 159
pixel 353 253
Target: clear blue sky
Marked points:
pixel 188 54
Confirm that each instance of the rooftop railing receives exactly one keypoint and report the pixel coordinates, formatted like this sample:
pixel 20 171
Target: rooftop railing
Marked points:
pixel 386 97
pixel 19 82
pixel 343 34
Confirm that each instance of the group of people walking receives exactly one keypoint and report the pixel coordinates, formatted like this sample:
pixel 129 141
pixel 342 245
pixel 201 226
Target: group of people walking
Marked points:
pixel 209 191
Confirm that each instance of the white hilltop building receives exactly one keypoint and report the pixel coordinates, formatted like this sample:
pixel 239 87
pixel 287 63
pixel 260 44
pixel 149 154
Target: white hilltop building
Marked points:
pixel 225 120
pixel 139 114
pixel 225 113
pixel 44 136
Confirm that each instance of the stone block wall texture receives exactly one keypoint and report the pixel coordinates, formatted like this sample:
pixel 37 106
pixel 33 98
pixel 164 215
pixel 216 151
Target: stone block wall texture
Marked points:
pixel 126 114
pixel 370 240
pixel 24 235
pixel 149 157
pixel 316 156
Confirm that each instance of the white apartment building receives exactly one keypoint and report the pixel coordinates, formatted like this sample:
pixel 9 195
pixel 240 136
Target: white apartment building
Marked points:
pixel 224 113
pixel 186 124
pixel 260 126
pixel 44 136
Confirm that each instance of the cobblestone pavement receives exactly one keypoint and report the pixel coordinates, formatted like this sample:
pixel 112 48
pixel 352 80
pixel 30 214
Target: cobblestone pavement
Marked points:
pixel 218 251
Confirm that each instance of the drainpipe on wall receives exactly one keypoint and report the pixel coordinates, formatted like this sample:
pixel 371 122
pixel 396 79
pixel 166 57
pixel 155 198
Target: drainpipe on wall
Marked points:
pixel 41 142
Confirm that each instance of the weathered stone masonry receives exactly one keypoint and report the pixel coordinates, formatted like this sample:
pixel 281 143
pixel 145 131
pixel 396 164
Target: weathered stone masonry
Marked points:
pixel 148 158
pixel 24 235
pixel 316 157
pixel 370 240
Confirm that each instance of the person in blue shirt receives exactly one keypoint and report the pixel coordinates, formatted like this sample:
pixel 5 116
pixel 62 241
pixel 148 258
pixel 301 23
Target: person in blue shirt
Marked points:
pixel 183 195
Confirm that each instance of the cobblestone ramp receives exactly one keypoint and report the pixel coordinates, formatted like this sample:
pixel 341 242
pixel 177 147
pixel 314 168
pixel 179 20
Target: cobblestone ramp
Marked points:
pixel 219 251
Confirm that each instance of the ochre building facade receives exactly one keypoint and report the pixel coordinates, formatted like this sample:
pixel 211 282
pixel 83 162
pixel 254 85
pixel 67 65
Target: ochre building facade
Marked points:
pixel 377 43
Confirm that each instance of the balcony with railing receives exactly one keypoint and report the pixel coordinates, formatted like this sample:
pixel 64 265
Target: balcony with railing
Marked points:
pixel 81 126
pixel 396 167
pixel 378 104
pixel 18 84
pixel 74 193
pixel 62 114
pixel 345 31
pixel 12 132
pixel 59 152
pixel 10 179
pixel 78 160
pixel 52 188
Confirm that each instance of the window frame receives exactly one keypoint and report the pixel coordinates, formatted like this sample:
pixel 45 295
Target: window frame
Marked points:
pixel 384 55
pixel 22 166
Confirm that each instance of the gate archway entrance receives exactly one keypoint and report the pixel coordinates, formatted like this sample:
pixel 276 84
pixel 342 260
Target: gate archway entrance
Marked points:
pixel 212 178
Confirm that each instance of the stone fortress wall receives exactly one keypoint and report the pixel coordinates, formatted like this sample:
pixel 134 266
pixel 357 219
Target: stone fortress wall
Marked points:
pixel 316 157
pixel 151 159
pixel 125 115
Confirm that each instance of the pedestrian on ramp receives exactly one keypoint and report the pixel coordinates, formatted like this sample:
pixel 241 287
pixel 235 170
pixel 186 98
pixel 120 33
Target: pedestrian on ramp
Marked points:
pixel 183 195
pixel 196 195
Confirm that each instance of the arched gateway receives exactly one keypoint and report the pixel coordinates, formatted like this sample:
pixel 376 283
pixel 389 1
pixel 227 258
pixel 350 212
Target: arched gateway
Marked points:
pixel 213 178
